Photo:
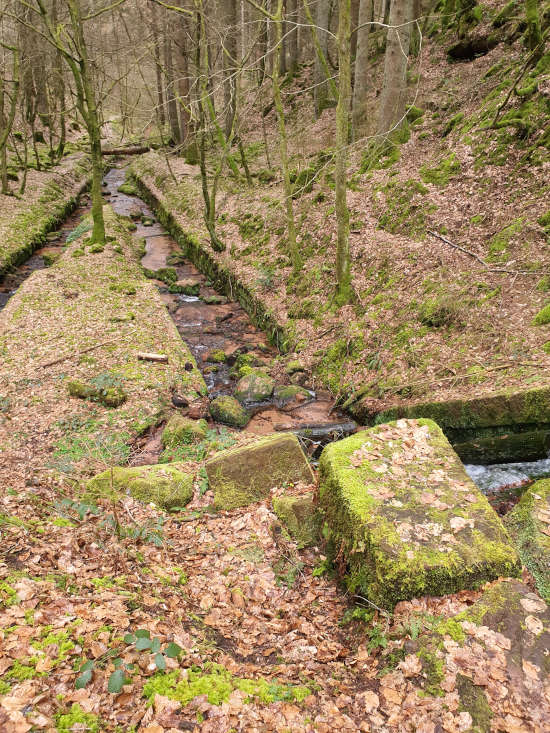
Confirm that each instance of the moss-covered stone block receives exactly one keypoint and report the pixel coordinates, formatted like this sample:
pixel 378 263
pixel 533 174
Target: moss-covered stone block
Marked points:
pixel 108 397
pixel 229 411
pixel 300 516
pixel 405 518
pixel 288 392
pixel 186 287
pixel 165 485
pixel 254 387
pixel 529 526
pixel 182 430
pixel 505 636
pixel 246 474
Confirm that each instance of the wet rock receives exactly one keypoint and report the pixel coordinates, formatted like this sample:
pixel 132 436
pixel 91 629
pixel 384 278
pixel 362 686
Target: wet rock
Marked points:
pixel 294 366
pixel 529 526
pixel 147 221
pixel 217 356
pixel 300 516
pixel 166 485
pixel 135 213
pixel 229 411
pixel 181 430
pixel 186 287
pixel 215 299
pixel 498 650
pixel 108 397
pixel 255 387
pixel 246 474
pixel 405 518
pixel 284 394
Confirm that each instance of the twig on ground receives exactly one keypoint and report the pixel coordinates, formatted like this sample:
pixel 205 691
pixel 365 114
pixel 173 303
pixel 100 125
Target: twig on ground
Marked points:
pixel 83 351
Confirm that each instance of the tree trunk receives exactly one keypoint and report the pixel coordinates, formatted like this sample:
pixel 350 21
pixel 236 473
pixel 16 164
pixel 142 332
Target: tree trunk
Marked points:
pixel 534 36
pixel 292 38
pixel 158 68
pixel 230 25
pixel 343 263
pixel 394 90
pixel 321 89
pixel 366 10
pixel 293 251
pixel 172 104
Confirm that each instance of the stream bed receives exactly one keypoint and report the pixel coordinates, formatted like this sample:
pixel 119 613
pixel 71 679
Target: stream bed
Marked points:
pixel 209 322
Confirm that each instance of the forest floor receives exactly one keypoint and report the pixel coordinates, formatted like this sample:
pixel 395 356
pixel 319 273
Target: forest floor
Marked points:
pixel 98 598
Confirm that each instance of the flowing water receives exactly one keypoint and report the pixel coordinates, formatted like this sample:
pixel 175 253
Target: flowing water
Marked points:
pixel 209 322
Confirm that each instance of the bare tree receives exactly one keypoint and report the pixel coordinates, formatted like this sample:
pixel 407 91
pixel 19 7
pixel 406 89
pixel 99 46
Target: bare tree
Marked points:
pixel 394 91
pixel 361 83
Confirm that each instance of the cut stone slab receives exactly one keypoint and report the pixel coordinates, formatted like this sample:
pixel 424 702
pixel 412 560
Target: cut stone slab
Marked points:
pixel 300 516
pixel 254 387
pixel 229 411
pixel 181 430
pixel 405 518
pixel 246 474
pixel 166 485
pixel 286 393
pixel 493 653
pixel 109 397
pixel 485 429
pixel 529 526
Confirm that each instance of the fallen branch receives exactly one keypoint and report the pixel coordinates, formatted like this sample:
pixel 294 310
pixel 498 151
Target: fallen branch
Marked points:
pixel 481 261
pixel 144 356
pixel 83 351
pixel 134 150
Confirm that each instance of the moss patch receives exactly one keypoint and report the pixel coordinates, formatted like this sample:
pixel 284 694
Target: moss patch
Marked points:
pixel 300 517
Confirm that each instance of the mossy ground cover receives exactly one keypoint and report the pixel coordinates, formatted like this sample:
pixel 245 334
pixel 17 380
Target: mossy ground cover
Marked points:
pixel 403 518
pixel 50 196
pixel 94 313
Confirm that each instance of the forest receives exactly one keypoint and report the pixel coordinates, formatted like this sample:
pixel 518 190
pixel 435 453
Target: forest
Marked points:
pixel 274 331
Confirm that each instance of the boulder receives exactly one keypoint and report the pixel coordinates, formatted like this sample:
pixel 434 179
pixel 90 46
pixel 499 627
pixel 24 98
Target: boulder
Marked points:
pixel 215 299
pixel 108 397
pixel 405 519
pixel 246 474
pixel 493 657
pixel 181 430
pixel 216 356
pixel 294 366
pixel 300 517
pixel 166 485
pixel 286 393
pixel 135 213
pixel 229 411
pixel 529 526
pixel 254 387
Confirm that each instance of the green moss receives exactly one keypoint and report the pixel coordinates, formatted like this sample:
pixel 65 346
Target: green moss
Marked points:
pixel 181 430
pixel 381 564
pixel 300 517
pixel 414 113
pixel 110 396
pixel 404 210
pixel 452 123
pixel 77 719
pixel 123 287
pixel 445 310
pixel 499 244
pixel 252 228
pixel 256 386
pixel 8 595
pixel 526 529
pixel 21 672
pixel 474 701
pixel 542 317
pixel 217 683
pixel 217 356
pixel 441 174
pixel 229 411
pixel 166 485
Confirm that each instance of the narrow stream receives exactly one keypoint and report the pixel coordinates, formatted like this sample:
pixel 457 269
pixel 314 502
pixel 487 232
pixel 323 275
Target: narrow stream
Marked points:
pixel 209 322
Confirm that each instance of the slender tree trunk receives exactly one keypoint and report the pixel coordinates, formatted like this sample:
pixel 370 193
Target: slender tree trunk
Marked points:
pixel 182 71
pixel 534 36
pixel 366 10
pixel 292 38
pixel 343 262
pixel 59 86
pixel 158 67
pixel 172 105
pixel 294 253
pixel 7 114
pixel 230 26
pixel 321 90
pixel 394 90
pixel 355 6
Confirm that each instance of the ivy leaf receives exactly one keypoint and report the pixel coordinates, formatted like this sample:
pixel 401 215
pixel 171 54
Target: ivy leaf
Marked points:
pixel 116 681
pixel 160 661
pixel 129 639
pixel 143 634
pixel 155 646
pixel 142 644
pixel 83 679
pixel 173 650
